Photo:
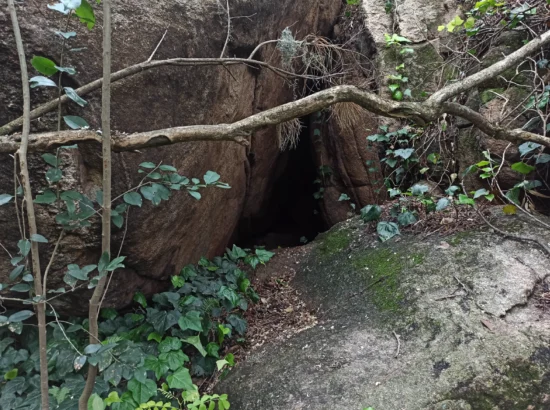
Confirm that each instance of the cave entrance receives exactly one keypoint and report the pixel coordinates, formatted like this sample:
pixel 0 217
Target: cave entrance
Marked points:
pixel 290 213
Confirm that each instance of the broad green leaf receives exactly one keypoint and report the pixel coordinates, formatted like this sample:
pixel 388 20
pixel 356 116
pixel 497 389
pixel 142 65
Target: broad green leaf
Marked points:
pixel 24 246
pixel 38 238
pixel 71 93
pixel 522 168
pixel 191 321
pixel 157 365
pixel 195 194
pixel 196 341
pixel 169 343
pixel 442 204
pixel 404 153
pixel 75 122
pixel 112 398
pixel 387 230
pixel 14 274
pixel 54 175
pixel 95 402
pixel 543 159
pixel 11 374
pixel 40 81
pixel 5 198
pixel 44 65
pixel 211 177
pixel 174 359
pixel 115 264
pixel 133 198
pixel 48 197
pixel 20 316
pixel 51 159
pixel 527 147
pixel 481 192
pixel 371 213
pixel 181 379
pixel 68 70
pixel 20 287
pixel 86 14
pixel 142 392
pixel 140 298
pixel 419 189
pixel 148 165
pixel 406 219
pixel 221 364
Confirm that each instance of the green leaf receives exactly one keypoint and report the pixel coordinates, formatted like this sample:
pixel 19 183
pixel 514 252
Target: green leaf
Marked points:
pixel 103 262
pixel 442 204
pixel 115 264
pixel 44 65
pixel 133 198
pixel 21 287
pixel 38 238
pixel 20 316
pixel 24 246
pixel 480 192
pixel 387 230
pixel 527 147
pixel 154 336
pixel 522 168
pixel 371 213
pixel 40 81
pixel 196 341
pixel 48 197
pixel 211 177
pixel 404 153
pixel 140 298
pixel 71 93
pixel 169 344
pixel 419 189
pixel 212 349
pixel 406 219
pixel 195 194
pixel 541 159
pixel 53 175
pixel 112 398
pixel 191 321
pixel 95 402
pixel 68 70
pixel 148 165
pixel 11 374
pixel 75 122
pixel 175 359
pixel 465 200
pixel 50 159
pixel 86 14
pixel 14 274
pixel 142 392
pixel 118 220
pixel 221 364
pixel 157 365
pixel 5 198
pixel 181 379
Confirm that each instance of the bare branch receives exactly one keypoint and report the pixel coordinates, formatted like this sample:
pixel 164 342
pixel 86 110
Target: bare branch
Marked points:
pixel 148 65
pixel 157 47
pixel 240 130
pixel 511 60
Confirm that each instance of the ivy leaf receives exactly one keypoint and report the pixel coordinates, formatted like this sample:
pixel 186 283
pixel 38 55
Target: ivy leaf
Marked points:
pixel 371 213
pixel 142 392
pixel 71 93
pixel 68 70
pixel 406 219
pixel 169 344
pixel 404 153
pixel 419 189
pixel 5 198
pixel 195 194
pixel 442 204
pixel 191 321
pixel 181 379
pixel 75 122
pixel 196 341
pixel 14 274
pixel 44 65
pixel 174 359
pixel 480 192
pixel 95 402
pixel 387 230
pixel 40 81
pixel 156 365
pixel 522 168
pixel 53 175
pixel 543 159
pixel 238 323
pixel 20 287
pixel 527 147
pixel 66 35
pixel 140 298
pixel 133 198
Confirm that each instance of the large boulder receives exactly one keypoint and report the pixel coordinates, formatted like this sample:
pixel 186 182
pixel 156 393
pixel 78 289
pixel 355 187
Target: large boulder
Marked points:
pixel 439 323
pixel 159 240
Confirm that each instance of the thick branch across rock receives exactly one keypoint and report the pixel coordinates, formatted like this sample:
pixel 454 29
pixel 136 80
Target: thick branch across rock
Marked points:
pixel 419 112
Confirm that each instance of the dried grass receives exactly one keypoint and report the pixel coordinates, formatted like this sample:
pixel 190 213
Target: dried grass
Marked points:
pixel 288 134
pixel 347 115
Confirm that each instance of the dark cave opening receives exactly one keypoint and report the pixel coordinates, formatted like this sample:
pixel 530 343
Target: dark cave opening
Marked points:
pixel 290 214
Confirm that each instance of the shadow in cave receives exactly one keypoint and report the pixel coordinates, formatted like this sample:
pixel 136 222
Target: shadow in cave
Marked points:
pixel 290 213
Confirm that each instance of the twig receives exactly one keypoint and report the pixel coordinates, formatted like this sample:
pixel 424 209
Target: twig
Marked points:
pixel 398 338
pixel 8 252
pixel 158 45
pixel 228 30
pixel 45 287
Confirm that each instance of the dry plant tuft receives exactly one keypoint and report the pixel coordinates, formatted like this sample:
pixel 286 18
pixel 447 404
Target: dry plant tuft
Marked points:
pixel 347 114
pixel 288 134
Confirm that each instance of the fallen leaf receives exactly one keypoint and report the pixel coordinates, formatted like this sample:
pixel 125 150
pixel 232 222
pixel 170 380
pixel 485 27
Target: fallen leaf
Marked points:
pixel 509 209
pixel 447 221
pixel 443 245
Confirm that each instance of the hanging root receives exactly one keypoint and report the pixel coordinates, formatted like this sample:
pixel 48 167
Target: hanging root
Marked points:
pixel 347 115
pixel 289 134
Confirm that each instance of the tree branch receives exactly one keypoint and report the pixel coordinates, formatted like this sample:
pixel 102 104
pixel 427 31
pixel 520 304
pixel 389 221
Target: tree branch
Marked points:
pixel 148 65
pixel 25 180
pixel 511 60
pixel 238 131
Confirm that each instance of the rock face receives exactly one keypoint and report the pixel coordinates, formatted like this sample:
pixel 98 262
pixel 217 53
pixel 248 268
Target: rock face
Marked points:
pixel 160 240
pixel 444 323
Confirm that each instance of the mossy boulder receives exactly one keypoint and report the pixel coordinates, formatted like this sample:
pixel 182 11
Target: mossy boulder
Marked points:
pixel 438 323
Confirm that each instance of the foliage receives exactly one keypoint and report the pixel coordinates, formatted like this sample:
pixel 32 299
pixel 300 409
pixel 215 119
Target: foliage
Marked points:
pixel 180 333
